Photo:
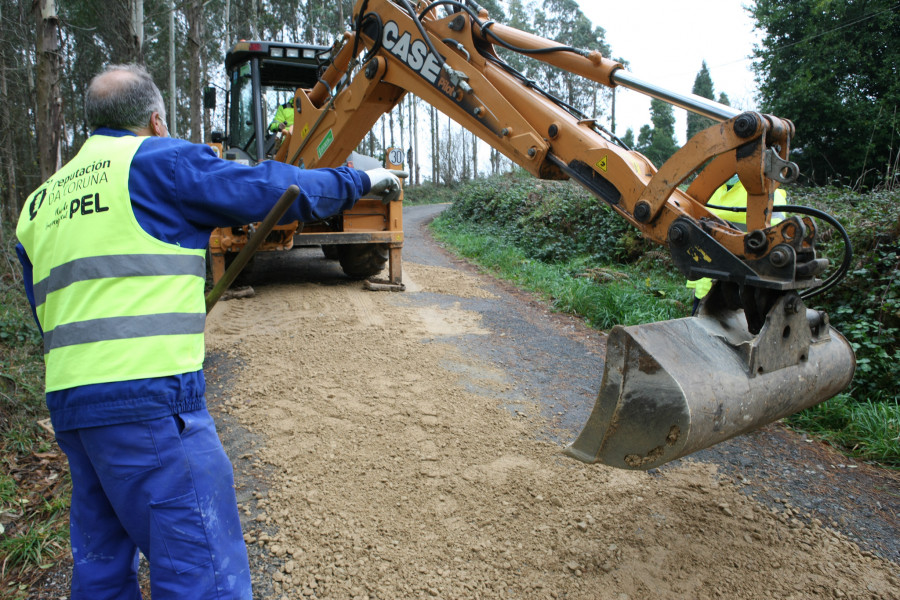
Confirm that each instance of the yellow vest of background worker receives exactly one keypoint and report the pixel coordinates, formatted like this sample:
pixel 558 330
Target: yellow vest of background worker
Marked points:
pixel 734 196
pixel 114 303
pixel 284 115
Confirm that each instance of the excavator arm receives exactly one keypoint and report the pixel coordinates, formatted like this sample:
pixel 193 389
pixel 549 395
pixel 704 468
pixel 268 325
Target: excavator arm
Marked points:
pixel 755 353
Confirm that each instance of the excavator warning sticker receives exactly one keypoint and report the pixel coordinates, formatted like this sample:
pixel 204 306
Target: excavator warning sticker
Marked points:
pixel 304 132
pixel 325 143
pixel 603 164
pixel 697 254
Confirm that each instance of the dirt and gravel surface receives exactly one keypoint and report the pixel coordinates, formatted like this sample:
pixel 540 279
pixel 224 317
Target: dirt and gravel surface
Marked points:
pixel 407 445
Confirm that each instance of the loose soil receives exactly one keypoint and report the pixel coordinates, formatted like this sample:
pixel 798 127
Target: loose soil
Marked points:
pixel 408 446
pixel 397 446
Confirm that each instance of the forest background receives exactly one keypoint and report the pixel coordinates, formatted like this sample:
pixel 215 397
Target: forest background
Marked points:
pixel 830 66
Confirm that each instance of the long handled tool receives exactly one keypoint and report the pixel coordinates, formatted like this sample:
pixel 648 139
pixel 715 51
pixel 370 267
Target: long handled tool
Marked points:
pixel 243 257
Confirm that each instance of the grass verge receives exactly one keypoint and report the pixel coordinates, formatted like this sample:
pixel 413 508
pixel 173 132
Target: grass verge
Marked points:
pixel 604 296
pixel 869 431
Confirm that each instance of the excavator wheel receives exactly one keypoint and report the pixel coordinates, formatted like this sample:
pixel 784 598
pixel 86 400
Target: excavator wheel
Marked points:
pixel 330 252
pixel 246 274
pixel 362 260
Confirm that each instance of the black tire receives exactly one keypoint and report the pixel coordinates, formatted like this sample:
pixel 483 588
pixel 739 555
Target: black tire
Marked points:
pixel 362 260
pixel 330 251
pixel 246 275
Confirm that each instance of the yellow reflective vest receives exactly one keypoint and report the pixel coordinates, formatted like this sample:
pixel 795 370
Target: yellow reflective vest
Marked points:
pixel 284 114
pixel 114 303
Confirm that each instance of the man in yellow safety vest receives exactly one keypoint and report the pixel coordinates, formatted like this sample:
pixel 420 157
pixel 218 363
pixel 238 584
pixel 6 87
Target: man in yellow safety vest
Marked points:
pixel 113 250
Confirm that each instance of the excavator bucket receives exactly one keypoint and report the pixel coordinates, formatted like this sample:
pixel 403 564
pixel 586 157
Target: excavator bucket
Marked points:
pixel 674 387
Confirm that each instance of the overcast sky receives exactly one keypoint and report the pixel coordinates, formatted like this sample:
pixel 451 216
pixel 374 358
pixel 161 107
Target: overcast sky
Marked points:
pixel 666 43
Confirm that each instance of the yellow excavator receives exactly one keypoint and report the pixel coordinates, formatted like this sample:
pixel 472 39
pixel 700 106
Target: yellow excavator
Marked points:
pixel 753 354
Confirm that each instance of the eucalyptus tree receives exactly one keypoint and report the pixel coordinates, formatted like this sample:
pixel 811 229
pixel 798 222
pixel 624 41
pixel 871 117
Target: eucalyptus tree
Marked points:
pixel 17 143
pixel 563 22
pixel 48 106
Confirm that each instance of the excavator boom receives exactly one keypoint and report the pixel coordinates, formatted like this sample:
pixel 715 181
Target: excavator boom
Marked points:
pixel 754 354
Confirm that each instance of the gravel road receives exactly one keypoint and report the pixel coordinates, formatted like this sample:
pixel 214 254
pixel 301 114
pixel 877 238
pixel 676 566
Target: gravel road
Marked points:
pixel 775 464
pixel 407 445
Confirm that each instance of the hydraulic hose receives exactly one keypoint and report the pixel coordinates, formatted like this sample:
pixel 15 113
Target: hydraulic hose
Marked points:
pixel 835 277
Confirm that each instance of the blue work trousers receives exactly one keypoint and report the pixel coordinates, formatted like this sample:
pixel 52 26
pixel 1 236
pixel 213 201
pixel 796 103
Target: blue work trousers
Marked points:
pixel 164 487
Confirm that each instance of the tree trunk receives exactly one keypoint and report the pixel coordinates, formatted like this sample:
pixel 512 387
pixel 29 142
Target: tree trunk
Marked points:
pixel 137 29
pixel 391 123
pixel 450 158
pixel 254 32
pixel 415 124
pixel 194 14
pixel 474 156
pixel 434 146
pixel 173 116
pixel 48 112
pixel 402 119
pixel 310 32
pixel 8 203
pixel 612 117
pixel 207 114
pixel 228 40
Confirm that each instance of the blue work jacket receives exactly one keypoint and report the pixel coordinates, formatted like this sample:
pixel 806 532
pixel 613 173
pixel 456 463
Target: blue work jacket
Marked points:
pixel 180 192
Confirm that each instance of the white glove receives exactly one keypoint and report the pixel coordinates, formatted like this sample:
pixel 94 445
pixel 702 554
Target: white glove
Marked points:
pixel 386 183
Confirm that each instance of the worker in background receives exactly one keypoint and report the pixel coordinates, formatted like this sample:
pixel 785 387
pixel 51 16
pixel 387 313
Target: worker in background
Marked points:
pixel 284 117
pixel 112 249
pixel 730 195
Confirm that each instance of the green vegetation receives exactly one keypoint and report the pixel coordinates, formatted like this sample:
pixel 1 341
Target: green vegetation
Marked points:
pixel 658 142
pixel 554 239
pixel 831 66
pixel 557 240
pixel 571 270
pixel 429 193
pixel 34 482
pixel 603 297
pixel 865 307
pixel 866 430
pixel 703 87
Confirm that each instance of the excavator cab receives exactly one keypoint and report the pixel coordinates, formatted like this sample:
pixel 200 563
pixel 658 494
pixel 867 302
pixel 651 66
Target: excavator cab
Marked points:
pixel 264 76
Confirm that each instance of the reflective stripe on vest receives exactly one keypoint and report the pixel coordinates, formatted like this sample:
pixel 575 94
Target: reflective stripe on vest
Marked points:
pixel 120 328
pixel 122 265
pixel 114 302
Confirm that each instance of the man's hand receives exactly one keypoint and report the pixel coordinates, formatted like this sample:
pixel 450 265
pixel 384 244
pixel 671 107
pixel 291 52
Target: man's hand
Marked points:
pixel 386 183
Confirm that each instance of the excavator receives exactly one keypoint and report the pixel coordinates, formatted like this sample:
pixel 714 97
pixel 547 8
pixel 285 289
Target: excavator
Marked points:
pixel 754 352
